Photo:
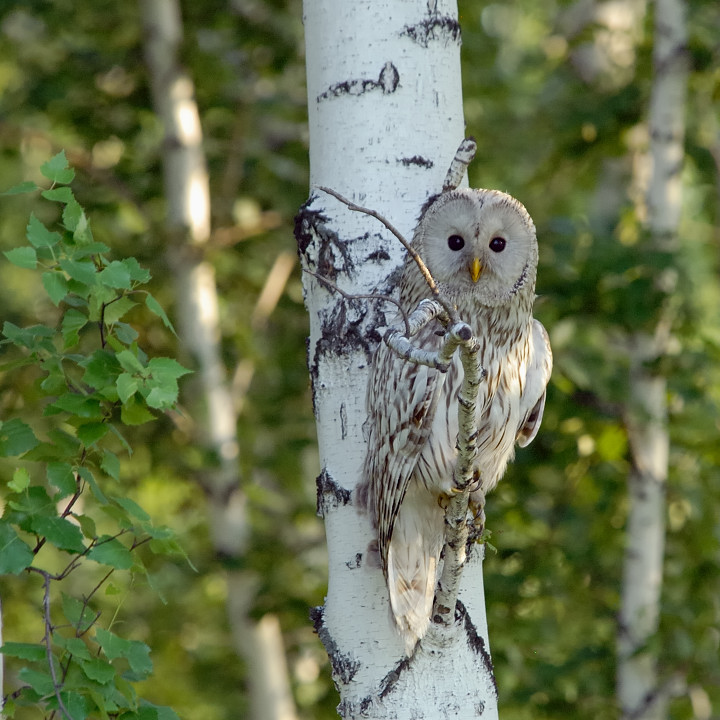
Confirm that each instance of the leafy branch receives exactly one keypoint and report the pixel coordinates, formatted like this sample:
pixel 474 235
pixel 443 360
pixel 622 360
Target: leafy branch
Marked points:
pixel 95 380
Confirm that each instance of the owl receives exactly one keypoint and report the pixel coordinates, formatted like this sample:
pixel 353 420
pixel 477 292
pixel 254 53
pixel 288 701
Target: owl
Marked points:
pixel 481 249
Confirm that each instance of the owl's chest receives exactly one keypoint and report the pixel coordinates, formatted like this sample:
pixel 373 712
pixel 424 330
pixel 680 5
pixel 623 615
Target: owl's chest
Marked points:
pixel 498 410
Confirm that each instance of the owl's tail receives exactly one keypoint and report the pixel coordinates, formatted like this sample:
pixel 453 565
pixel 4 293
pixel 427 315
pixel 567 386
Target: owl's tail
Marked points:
pixel 412 564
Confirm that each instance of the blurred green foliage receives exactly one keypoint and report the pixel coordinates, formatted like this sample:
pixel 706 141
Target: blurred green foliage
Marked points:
pixel 559 125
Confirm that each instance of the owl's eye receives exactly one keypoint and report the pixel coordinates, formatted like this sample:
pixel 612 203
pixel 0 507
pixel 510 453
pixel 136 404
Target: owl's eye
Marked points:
pixel 497 244
pixel 455 242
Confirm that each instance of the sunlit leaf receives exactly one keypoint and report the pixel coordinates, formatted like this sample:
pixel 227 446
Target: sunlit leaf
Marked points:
pixel 20 480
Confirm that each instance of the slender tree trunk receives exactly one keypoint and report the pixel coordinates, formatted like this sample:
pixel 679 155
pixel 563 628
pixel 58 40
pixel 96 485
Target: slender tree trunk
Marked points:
pixel 385 116
pixel 187 192
pixel 640 693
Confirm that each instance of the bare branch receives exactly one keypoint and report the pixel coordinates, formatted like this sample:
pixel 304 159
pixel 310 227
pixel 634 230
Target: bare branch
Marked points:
pixel 47 641
pixel 463 157
pixel 413 254
pixel 364 296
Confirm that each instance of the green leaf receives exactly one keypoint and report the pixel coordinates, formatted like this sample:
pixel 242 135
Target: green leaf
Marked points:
pixel 110 551
pixel 56 285
pixel 82 406
pixel 87 525
pixel 115 275
pixel 40 682
pixel 99 670
pixel 61 475
pixel 61 194
pixel 89 478
pixel 129 362
pixel 135 413
pixel 101 369
pixel 24 651
pixel 127 386
pixel 83 271
pixel 73 322
pixel 20 481
pixel 39 236
pixel 75 703
pixel 162 367
pixel 74 645
pixel 132 508
pixel 90 433
pixel 135 652
pixel 15 555
pixel 78 614
pixel 73 215
pixel 59 532
pixel 117 309
pixel 137 273
pixel 111 464
pixel 154 306
pixel 23 257
pixel 23 187
pixel 57 170
pixel 16 438
pixel 125 333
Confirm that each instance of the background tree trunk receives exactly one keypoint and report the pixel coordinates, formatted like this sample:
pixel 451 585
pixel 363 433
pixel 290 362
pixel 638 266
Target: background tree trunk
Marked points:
pixel 385 114
pixel 187 191
pixel 641 693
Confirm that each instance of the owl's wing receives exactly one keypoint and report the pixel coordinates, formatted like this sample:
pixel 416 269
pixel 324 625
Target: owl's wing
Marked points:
pixel 401 403
pixel 538 375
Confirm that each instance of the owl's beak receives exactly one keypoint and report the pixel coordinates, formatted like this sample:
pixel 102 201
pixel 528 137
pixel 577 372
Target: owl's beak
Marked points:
pixel 475 269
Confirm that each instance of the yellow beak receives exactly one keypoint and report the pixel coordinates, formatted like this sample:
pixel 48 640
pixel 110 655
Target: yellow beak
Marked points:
pixel 475 269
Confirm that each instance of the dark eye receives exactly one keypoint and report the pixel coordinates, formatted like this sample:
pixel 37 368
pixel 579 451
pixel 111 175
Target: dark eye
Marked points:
pixel 455 242
pixel 497 244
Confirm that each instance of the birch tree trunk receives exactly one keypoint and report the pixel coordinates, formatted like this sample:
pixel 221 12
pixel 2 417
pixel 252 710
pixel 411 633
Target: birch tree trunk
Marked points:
pixel 385 116
pixel 187 192
pixel 641 695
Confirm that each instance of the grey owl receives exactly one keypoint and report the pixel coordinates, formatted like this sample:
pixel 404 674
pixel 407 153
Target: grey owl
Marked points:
pixel 481 249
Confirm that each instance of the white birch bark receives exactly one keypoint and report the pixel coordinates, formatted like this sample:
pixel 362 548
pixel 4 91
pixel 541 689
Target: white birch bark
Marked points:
pixel 187 192
pixel 385 116
pixel 641 695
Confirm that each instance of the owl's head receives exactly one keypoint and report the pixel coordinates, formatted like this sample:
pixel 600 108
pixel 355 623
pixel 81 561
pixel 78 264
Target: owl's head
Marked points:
pixel 478 243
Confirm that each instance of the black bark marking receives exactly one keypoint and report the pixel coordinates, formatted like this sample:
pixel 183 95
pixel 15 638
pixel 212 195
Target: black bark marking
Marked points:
pixel 343 421
pixel 355 563
pixel 417 160
pixel 475 641
pixel 344 666
pixel 434 27
pixel 330 495
pixel 390 680
pixel 387 81
pixel 312 229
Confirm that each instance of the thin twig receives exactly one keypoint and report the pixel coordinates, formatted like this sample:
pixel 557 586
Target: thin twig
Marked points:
pixel 364 296
pixel 463 157
pixel 47 640
pixel 412 252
